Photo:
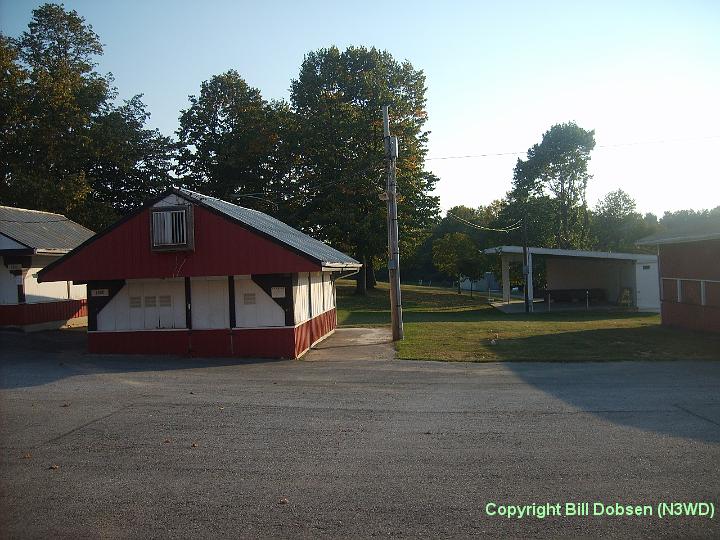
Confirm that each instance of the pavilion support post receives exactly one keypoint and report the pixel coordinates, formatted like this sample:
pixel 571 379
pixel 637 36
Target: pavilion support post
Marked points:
pixel 530 291
pixel 505 261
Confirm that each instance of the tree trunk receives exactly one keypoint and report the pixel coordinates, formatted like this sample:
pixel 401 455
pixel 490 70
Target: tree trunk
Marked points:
pixel 361 280
pixel 459 291
pixel 370 280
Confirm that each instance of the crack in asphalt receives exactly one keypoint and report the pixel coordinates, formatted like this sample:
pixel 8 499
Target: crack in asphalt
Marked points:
pixel 86 424
pixel 701 417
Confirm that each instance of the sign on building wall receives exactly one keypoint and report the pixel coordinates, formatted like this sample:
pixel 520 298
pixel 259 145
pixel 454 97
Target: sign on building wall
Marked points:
pixel 99 292
pixel 277 292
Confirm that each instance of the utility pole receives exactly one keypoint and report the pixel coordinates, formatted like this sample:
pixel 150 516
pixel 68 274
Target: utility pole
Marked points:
pixel 526 266
pixel 391 154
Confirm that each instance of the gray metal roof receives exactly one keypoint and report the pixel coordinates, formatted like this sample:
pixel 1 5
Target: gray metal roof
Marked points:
pixel 275 228
pixel 681 235
pixel 42 231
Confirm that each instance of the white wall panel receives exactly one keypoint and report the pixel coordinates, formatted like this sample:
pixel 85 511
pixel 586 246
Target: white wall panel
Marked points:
pixel 316 288
pixel 328 291
pixel 78 292
pixel 51 291
pixel 301 298
pixel 8 286
pixel 254 307
pixel 210 303
pixel 132 307
pixel 648 286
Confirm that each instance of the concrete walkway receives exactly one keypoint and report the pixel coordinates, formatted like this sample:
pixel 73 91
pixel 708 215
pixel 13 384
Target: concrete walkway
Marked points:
pixel 354 344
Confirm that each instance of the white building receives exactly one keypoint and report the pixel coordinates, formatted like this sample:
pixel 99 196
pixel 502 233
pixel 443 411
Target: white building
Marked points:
pixel 29 241
pixel 629 279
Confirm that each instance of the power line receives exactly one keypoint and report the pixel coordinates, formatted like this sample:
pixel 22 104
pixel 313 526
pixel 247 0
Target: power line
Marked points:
pixel 310 187
pixel 515 226
pixel 618 145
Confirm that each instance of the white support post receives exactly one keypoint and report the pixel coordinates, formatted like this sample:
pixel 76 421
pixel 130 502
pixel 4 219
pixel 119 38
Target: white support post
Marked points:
pixel 505 278
pixel 530 282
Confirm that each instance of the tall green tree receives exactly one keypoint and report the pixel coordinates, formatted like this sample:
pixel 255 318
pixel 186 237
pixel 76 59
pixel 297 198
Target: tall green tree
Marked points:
pixel 13 99
pixel 65 146
pixel 128 162
pixel 233 143
pixel 689 220
pixel 338 98
pixel 616 225
pixel 557 167
pixel 62 96
pixel 456 255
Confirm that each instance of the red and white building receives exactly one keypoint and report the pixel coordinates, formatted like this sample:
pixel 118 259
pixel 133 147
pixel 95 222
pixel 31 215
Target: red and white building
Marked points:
pixel 689 278
pixel 190 274
pixel 29 241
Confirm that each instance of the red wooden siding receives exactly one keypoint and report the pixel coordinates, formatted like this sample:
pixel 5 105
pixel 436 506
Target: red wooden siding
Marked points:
pixel 311 331
pixel 160 342
pixel 280 342
pixel 221 248
pixel 25 314
pixel 264 343
pixel 693 260
pixel 712 294
pixel 690 263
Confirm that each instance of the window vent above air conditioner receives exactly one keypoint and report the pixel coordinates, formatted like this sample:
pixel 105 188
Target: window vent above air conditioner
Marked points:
pixel 172 228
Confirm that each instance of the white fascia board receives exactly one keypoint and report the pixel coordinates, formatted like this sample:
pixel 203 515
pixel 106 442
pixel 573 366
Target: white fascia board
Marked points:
pixel 639 257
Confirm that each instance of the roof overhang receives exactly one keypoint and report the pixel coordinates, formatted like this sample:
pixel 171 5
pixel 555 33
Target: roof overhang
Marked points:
pixel 577 253
pixel 678 239
pixel 340 267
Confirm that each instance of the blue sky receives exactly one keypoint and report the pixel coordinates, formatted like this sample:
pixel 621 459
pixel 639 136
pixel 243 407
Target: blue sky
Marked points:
pixel 498 74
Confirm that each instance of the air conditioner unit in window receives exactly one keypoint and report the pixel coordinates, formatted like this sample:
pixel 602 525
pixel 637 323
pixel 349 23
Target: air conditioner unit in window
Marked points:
pixel 172 228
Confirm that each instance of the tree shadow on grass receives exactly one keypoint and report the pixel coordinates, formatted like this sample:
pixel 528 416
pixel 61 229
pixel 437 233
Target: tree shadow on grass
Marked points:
pixel 679 396
pixel 44 357
pixel 646 342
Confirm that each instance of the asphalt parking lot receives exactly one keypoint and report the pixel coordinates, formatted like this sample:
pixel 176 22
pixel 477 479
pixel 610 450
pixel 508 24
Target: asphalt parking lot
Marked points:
pixel 344 445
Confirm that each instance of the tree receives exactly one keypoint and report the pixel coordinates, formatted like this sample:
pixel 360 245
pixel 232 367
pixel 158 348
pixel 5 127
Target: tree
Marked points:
pixel 13 97
pixel 61 95
pixel 615 224
pixel 689 220
pixel 234 143
pixel 338 98
pixel 65 147
pixel 557 167
pixel 128 163
pixel 457 256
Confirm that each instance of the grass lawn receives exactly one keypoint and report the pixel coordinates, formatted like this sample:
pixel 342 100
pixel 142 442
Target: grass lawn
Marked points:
pixel 442 325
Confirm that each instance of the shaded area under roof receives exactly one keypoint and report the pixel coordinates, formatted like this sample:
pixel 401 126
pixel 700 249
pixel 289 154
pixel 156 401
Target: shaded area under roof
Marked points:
pixel 42 231
pixel 275 228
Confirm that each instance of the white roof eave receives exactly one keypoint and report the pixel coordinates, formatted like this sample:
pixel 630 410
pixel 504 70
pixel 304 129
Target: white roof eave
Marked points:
pixel 499 250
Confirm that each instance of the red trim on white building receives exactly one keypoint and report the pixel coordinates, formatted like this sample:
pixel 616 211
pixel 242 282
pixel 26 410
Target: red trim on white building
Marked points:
pixel 60 313
pixel 270 342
